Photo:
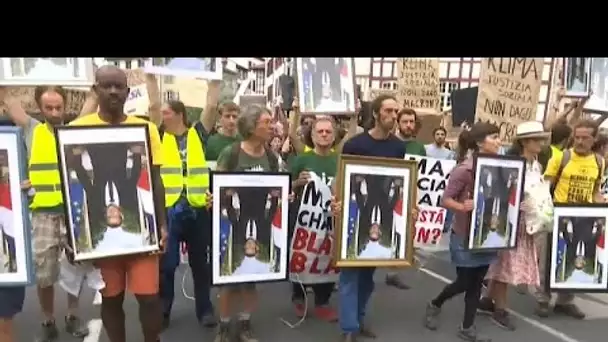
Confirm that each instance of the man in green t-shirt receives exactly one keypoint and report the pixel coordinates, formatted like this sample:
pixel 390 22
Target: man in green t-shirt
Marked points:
pixel 226 135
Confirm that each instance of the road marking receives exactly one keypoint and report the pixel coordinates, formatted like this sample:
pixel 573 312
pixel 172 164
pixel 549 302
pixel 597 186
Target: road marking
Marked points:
pixel 549 330
pixel 94 331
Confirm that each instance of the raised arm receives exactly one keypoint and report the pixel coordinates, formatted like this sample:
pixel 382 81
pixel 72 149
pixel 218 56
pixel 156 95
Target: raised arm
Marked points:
pixel 154 99
pixel 294 123
pixel 15 111
pixel 209 115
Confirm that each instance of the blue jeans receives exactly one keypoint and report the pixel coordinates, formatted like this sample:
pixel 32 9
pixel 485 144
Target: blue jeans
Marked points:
pixel 192 226
pixel 355 288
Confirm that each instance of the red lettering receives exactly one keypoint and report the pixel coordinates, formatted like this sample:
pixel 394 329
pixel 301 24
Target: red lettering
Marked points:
pixel 299 239
pixel 312 241
pixel 436 235
pixel 423 235
pixel 440 217
pixel 331 268
pixel 314 268
pixel 325 247
pixel 298 262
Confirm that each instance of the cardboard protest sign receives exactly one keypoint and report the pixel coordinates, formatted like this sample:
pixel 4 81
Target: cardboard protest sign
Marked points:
pixel 135 77
pixel 312 242
pixel 433 176
pixel 138 101
pixel 373 93
pixel 245 100
pixel 418 84
pixel 74 99
pixel 508 92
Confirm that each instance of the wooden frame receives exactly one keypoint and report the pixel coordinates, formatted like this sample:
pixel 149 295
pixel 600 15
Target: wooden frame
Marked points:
pixel 16 268
pixel 123 199
pixel 585 217
pixel 353 171
pixel 186 67
pixel 271 229
pixel 505 199
pixel 77 72
pixel 306 86
pixel 569 66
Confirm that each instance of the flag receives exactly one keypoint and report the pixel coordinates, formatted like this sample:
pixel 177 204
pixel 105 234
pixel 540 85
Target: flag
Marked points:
pixel 479 210
pixel 353 219
pixel 78 206
pixel 561 259
pixel 278 233
pixel 225 230
pixel 600 253
pixel 6 209
pixel 398 219
pixel 146 200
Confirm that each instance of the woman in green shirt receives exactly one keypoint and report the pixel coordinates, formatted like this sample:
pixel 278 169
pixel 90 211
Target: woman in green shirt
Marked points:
pixel 322 161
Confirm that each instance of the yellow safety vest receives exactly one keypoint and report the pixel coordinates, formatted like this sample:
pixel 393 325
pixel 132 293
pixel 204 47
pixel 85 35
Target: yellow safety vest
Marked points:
pixel 196 181
pixel 44 169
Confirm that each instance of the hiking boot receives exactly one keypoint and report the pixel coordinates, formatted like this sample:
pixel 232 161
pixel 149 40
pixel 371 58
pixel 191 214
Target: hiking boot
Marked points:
pixel 75 327
pixel 223 333
pixel 501 318
pixel 569 310
pixel 542 310
pixel 300 309
pixel 431 317
pixel 366 332
pixel 48 333
pixel 348 337
pixel 395 281
pixel 326 313
pixel 470 335
pixel 486 306
pixel 246 332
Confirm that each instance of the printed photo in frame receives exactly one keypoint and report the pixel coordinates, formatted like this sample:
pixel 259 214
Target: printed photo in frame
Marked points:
pixel 65 71
pixel 207 68
pixel 578 258
pixel 374 229
pixel 108 190
pixel 249 227
pixel 598 97
pixel 577 76
pixel 15 228
pixel 498 190
pixel 326 85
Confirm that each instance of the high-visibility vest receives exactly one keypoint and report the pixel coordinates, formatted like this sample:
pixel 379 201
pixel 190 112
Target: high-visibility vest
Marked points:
pixel 44 169
pixel 196 181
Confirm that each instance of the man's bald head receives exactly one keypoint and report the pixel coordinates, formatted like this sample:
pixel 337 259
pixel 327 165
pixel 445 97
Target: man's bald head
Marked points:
pixel 110 71
pixel 111 89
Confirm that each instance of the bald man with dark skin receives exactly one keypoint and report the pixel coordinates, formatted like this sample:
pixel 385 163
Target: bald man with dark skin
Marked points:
pixel 136 273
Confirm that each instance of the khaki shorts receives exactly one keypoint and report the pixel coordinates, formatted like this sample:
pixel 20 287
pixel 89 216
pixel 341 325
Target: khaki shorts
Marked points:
pixel 48 239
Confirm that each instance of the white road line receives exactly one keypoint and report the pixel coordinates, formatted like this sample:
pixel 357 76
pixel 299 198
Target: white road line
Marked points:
pixel 94 331
pixel 549 330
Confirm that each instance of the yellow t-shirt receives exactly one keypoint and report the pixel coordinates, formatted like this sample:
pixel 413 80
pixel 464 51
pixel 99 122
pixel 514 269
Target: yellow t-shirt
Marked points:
pixel 578 178
pixel 155 143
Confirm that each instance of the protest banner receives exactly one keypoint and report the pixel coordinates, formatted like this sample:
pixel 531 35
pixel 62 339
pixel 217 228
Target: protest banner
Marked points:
pixel 312 242
pixel 135 77
pixel 508 92
pixel 73 102
pixel 418 84
pixel 138 101
pixel 433 175
pixel 373 93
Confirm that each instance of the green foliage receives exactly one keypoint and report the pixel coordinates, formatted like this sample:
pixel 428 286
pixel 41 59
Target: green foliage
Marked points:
pixel 193 113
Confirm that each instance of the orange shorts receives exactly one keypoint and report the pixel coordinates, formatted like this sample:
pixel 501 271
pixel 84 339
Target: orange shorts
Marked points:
pixel 137 273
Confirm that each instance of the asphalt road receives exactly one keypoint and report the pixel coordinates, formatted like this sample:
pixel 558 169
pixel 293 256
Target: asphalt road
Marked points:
pixel 396 315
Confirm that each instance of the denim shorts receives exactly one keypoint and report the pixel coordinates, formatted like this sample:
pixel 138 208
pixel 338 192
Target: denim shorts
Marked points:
pixel 11 301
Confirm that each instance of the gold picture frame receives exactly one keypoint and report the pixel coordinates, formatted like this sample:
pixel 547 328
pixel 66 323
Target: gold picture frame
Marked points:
pixel 393 198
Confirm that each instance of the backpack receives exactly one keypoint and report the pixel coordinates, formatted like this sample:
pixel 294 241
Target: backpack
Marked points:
pixel 233 158
pixel 566 159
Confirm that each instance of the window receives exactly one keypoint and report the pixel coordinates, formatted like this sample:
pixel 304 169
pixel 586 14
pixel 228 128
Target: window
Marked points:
pixel 445 90
pixel 391 85
pixel 269 67
pixel 171 95
pixel 278 62
pixel 128 64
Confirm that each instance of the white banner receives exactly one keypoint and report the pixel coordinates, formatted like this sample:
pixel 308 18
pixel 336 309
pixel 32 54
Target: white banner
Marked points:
pixel 312 242
pixel 433 176
pixel 137 101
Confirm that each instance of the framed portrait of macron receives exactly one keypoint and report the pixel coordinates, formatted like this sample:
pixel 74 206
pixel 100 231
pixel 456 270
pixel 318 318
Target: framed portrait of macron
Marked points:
pixel 65 71
pixel 577 76
pixel 499 182
pixel 578 256
pixel 208 68
pixel 373 230
pixel 326 85
pixel 105 175
pixel 15 249
pixel 249 227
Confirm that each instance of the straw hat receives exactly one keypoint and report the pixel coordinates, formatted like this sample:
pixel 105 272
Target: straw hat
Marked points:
pixel 531 129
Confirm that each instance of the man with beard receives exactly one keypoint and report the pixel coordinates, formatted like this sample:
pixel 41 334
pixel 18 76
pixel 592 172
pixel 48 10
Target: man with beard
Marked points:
pixel 437 149
pixel 115 237
pixel 137 273
pixel 47 207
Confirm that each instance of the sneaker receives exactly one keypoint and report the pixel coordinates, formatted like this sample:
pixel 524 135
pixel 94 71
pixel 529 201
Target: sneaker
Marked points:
pixel 501 318
pixel 569 310
pixel 223 333
pixel 486 306
pixel 326 313
pixel 48 332
pixel 431 317
pixel 542 310
pixel 394 281
pixel 246 332
pixel 300 309
pixel 470 335
pixel 75 327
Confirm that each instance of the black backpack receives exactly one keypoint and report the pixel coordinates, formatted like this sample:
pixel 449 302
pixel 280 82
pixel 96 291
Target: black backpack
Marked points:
pixel 233 158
